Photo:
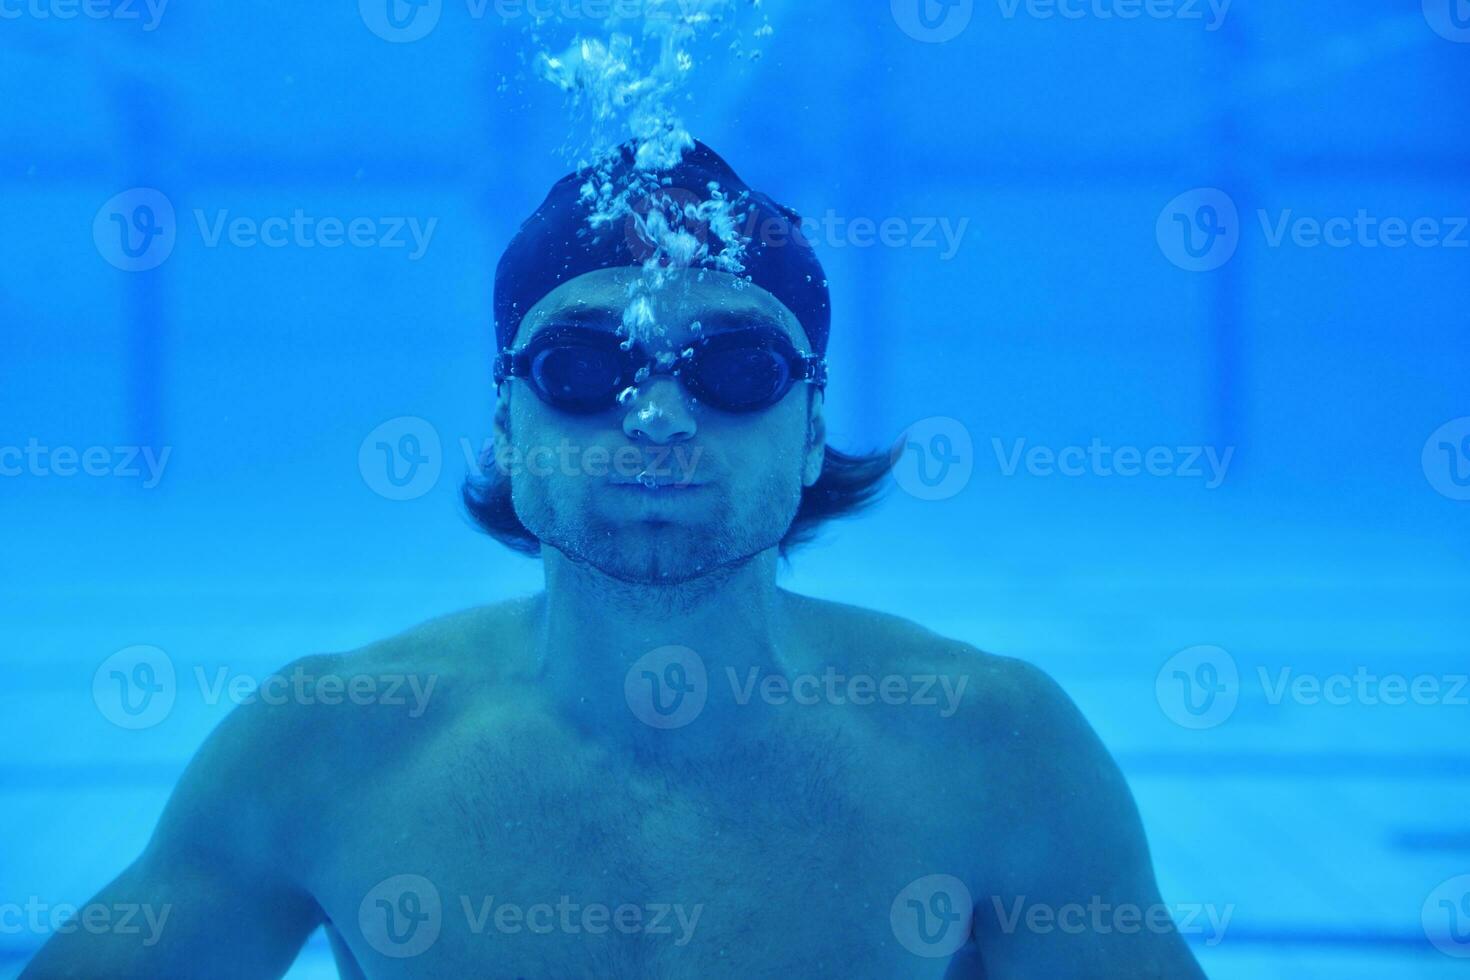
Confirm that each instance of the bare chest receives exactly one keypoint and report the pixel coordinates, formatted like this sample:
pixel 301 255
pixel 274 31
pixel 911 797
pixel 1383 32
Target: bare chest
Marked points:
pixel 787 858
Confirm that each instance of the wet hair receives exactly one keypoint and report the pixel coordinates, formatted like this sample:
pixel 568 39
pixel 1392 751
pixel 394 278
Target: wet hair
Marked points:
pixel 849 483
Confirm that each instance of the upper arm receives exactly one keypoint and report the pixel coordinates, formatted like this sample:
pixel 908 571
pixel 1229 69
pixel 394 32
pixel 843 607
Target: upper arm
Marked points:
pixel 211 894
pixel 1071 889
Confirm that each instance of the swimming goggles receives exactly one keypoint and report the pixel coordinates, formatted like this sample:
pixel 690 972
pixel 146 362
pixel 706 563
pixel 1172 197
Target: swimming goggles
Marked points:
pixel 582 370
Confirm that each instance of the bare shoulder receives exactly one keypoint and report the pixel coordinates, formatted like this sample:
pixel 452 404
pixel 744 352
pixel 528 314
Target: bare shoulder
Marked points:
pixel 481 642
pixel 333 720
pixel 319 709
pixel 996 692
pixel 1033 768
pixel 443 663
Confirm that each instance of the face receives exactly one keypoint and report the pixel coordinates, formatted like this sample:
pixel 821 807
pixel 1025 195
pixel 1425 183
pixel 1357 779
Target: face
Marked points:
pixel 727 484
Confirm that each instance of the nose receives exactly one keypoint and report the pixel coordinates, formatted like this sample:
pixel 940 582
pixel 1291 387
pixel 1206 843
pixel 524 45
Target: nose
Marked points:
pixel 659 412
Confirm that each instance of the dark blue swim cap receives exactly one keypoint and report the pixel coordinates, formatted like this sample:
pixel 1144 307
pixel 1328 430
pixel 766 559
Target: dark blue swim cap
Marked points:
pixel 558 243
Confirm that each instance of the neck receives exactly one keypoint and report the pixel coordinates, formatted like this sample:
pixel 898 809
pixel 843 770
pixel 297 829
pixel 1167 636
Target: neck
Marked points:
pixel 595 635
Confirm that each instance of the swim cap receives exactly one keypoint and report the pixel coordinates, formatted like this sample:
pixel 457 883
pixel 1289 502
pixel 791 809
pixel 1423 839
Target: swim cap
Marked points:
pixel 697 213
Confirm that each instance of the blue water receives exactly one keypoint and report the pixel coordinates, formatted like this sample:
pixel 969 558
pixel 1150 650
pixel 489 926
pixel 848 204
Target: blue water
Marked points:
pixel 1131 263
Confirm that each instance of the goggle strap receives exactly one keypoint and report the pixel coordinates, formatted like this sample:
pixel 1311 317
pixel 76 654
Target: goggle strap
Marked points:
pixel 815 366
pixel 504 367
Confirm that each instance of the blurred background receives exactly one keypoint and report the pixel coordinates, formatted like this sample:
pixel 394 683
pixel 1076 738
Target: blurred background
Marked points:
pixel 1166 303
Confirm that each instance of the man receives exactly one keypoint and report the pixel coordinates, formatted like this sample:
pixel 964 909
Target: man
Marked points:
pixel 663 765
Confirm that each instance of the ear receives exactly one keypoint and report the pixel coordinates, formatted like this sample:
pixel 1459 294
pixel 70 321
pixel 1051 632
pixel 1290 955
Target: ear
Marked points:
pixel 816 440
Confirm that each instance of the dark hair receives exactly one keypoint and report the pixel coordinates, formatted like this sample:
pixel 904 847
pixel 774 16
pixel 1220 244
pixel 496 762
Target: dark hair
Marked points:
pixel 848 484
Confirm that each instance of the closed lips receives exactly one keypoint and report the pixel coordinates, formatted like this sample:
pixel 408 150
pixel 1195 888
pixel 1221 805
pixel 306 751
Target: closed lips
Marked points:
pixel 660 482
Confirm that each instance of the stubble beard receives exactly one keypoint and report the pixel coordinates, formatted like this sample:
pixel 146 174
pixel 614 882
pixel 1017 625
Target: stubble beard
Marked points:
pixel 652 552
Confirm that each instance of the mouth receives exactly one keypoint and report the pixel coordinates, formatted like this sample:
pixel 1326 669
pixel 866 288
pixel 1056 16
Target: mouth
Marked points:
pixel 657 482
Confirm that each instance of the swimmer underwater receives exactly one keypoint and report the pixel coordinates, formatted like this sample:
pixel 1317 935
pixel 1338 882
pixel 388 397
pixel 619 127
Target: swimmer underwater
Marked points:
pixel 663 765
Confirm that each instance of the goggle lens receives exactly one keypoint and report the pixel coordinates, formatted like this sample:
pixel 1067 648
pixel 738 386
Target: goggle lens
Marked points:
pixel 579 377
pixel 739 379
pixel 583 370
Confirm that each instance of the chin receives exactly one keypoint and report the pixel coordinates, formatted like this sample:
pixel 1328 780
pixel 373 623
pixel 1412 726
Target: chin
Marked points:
pixel 656 552
pixel 653 548
pixel 667 554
